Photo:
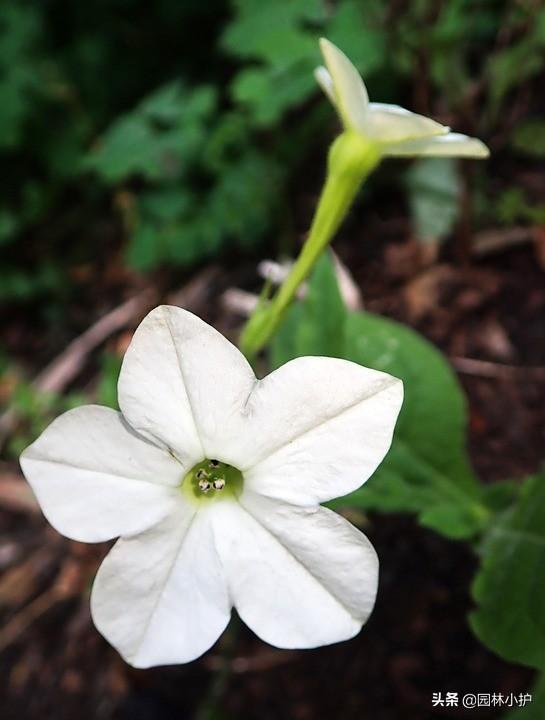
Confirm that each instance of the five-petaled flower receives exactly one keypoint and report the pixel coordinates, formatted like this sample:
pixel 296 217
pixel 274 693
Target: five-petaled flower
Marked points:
pixel 394 130
pixel 213 480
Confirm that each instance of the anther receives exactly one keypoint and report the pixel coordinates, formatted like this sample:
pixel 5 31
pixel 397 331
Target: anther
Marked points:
pixel 204 485
pixel 214 463
pixel 201 474
pixel 219 483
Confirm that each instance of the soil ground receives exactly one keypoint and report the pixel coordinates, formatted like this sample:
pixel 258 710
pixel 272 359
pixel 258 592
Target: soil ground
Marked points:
pixel 418 641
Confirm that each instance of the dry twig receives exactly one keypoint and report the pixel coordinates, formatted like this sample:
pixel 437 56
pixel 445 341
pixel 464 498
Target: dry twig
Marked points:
pixel 16 495
pixel 487 369
pixel 67 585
pixel 66 366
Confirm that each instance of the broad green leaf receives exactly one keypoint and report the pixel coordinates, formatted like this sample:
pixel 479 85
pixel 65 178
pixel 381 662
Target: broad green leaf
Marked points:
pixel 426 471
pixel 434 197
pixel 533 710
pixel 510 586
pixel 315 326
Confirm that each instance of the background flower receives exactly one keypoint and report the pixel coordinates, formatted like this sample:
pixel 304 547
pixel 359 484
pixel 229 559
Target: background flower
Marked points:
pixel 396 130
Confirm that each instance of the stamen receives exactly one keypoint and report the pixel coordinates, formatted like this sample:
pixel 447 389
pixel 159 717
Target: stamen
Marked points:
pixel 204 485
pixel 214 479
pixel 219 483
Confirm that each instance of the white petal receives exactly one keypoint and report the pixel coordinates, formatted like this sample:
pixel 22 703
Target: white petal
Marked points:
pixel 451 145
pixel 350 90
pixel 318 428
pixel 392 124
pixel 299 577
pixel 95 478
pixel 182 384
pixel 161 598
pixel 326 83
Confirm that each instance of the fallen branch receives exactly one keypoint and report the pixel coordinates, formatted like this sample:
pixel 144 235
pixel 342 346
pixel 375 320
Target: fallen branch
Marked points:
pixel 16 495
pixel 489 242
pixel 487 369
pixel 67 585
pixel 65 367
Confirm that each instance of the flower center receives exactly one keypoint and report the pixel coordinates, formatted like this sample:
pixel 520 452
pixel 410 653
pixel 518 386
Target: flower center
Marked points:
pixel 212 480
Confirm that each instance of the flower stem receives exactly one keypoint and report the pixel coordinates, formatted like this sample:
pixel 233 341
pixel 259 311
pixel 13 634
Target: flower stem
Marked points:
pixel 351 159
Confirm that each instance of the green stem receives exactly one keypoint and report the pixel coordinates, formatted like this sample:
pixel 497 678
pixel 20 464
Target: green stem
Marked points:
pixel 351 159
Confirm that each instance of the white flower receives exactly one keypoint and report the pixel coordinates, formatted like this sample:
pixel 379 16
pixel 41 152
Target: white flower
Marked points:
pixel 397 131
pixel 213 480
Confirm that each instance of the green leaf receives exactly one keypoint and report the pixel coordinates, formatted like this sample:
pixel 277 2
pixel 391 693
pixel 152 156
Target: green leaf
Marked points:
pixel 357 28
pixel 277 36
pixel 512 206
pixel 426 471
pixel 178 225
pixel 510 586
pixel 159 139
pixel 511 66
pixel 529 137
pixel 106 392
pixel 534 709
pixel 315 326
pixel 275 33
pixel 281 38
pixel 434 197
pixel 268 94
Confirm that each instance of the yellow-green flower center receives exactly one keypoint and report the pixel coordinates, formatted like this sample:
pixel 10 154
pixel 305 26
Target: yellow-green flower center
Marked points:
pixel 212 480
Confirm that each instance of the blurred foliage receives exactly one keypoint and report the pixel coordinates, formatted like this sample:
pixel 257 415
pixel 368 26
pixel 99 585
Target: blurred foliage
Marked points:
pixel 35 409
pixel 106 391
pixel 513 207
pixel 529 137
pixel 183 114
pixel 509 589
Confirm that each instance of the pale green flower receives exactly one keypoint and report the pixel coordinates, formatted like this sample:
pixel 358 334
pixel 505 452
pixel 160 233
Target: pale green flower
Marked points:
pixel 395 131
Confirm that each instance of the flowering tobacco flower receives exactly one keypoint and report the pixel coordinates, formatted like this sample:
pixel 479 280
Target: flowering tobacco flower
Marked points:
pixel 213 479
pixel 392 129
